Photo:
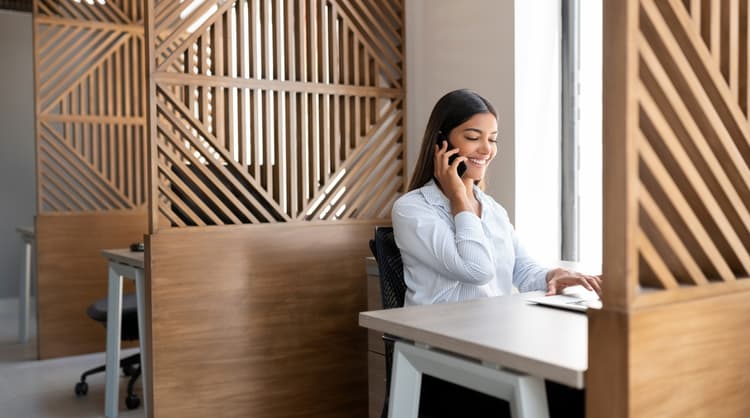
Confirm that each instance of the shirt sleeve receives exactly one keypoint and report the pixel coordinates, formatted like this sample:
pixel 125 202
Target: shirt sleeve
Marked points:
pixel 422 233
pixel 528 275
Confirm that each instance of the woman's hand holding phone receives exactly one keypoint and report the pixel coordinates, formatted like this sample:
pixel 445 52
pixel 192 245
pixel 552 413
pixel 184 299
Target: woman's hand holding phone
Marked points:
pixel 446 173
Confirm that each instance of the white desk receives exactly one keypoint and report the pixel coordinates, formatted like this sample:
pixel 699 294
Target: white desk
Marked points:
pixel 24 288
pixel 501 346
pixel 123 263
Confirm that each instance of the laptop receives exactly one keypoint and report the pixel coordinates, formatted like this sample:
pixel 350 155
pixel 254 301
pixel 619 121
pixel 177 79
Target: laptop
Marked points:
pixel 574 298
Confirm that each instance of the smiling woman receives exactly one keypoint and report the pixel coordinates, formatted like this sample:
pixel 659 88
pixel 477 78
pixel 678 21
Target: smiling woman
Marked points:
pixel 456 242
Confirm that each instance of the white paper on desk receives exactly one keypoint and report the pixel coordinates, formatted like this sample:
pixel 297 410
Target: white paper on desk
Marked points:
pixel 573 302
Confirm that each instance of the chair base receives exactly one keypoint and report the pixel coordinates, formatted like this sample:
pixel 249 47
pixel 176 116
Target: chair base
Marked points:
pixel 130 367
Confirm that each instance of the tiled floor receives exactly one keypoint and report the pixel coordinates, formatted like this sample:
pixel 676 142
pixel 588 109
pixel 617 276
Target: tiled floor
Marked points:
pixel 44 389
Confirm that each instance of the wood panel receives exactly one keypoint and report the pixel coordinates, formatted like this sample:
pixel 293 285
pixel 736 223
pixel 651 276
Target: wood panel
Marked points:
pixel 259 320
pixel 375 345
pixel 675 367
pixel 375 384
pixel 265 111
pixel 72 274
pixel 608 376
pixel 691 358
pixel 670 339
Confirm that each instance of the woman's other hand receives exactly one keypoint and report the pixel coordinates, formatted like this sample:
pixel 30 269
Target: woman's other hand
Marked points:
pixel 558 279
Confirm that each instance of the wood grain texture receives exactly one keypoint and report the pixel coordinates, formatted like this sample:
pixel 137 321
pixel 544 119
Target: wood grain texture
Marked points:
pixel 375 344
pixel 375 384
pixel 72 274
pixel 670 341
pixel 620 209
pixel 690 358
pixel 607 391
pixel 374 302
pixel 259 320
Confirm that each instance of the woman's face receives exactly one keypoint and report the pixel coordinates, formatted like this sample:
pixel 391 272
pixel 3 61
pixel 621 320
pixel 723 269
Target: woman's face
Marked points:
pixel 476 139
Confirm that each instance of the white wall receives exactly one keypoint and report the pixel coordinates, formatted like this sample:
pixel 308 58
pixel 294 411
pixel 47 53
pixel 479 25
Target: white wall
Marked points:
pixel 463 44
pixel 17 173
pixel 509 52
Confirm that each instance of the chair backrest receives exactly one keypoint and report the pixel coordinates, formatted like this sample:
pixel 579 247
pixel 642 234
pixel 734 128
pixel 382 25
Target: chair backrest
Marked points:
pixel 388 256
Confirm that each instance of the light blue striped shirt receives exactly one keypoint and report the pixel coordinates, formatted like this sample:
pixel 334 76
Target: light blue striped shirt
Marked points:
pixel 450 259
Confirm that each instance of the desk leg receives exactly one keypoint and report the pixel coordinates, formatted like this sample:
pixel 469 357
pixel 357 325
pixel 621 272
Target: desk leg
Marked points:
pixel 526 394
pixel 114 319
pixel 140 289
pixel 24 290
pixel 406 383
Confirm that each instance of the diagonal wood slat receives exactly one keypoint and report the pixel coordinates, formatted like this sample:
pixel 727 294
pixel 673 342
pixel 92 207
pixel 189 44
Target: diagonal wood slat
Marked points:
pixel 282 110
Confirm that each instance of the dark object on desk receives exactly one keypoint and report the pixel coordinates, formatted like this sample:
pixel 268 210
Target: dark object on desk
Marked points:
pixel 131 365
pixel 137 247
pixel 392 290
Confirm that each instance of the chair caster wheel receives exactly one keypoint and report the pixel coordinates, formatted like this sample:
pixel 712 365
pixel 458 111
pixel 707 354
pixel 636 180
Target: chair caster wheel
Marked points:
pixel 132 401
pixel 130 370
pixel 82 388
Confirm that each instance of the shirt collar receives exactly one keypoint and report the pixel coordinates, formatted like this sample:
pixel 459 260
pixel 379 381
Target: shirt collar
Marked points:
pixel 434 196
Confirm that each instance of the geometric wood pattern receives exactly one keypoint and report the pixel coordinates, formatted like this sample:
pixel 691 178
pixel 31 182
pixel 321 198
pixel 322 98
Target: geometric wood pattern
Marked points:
pixel 90 105
pixel 671 338
pixel 690 146
pixel 266 111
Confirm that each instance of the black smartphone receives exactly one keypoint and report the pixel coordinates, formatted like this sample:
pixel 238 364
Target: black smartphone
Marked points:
pixel 461 166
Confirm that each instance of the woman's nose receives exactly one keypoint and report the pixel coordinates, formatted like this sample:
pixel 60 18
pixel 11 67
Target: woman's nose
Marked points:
pixel 485 146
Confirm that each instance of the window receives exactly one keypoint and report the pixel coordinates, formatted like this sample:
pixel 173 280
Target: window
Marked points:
pixel 582 131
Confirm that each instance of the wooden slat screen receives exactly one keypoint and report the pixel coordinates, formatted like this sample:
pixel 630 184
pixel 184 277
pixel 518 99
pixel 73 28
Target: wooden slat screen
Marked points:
pixel 691 149
pixel 90 105
pixel 268 111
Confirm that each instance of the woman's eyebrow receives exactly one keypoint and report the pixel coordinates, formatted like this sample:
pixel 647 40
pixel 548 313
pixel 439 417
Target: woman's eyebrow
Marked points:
pixel 479 131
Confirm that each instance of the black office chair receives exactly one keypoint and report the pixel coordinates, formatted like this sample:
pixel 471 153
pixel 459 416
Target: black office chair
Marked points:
pixel 131 365
pixel 392 290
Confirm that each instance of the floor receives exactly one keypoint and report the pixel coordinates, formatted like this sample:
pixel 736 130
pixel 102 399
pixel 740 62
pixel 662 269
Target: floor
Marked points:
pixel 44 389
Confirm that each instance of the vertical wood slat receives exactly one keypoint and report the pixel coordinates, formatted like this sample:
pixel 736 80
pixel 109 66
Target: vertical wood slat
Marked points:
pixel 733 15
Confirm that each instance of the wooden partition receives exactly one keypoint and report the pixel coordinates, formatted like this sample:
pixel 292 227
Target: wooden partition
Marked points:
pixel 672 337
pixel 90 98
pixel 73 274
pixel 276 134
pixel 260 320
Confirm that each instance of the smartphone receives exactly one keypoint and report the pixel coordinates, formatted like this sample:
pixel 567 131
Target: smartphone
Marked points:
pixel 461 166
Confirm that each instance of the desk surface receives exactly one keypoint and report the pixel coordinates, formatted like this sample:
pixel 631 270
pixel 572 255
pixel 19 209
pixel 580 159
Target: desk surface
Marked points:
pixel 125 256
pixel 504 330
pixel 26 231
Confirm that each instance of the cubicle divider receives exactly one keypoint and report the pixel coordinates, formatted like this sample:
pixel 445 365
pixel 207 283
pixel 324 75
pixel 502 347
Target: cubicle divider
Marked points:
pixel 259 320
pixel 72 274
pixel 90 108
pixel 672 337
pixel 276 146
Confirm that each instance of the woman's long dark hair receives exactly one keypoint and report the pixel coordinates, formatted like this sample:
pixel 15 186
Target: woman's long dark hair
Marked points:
pixel 450 111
